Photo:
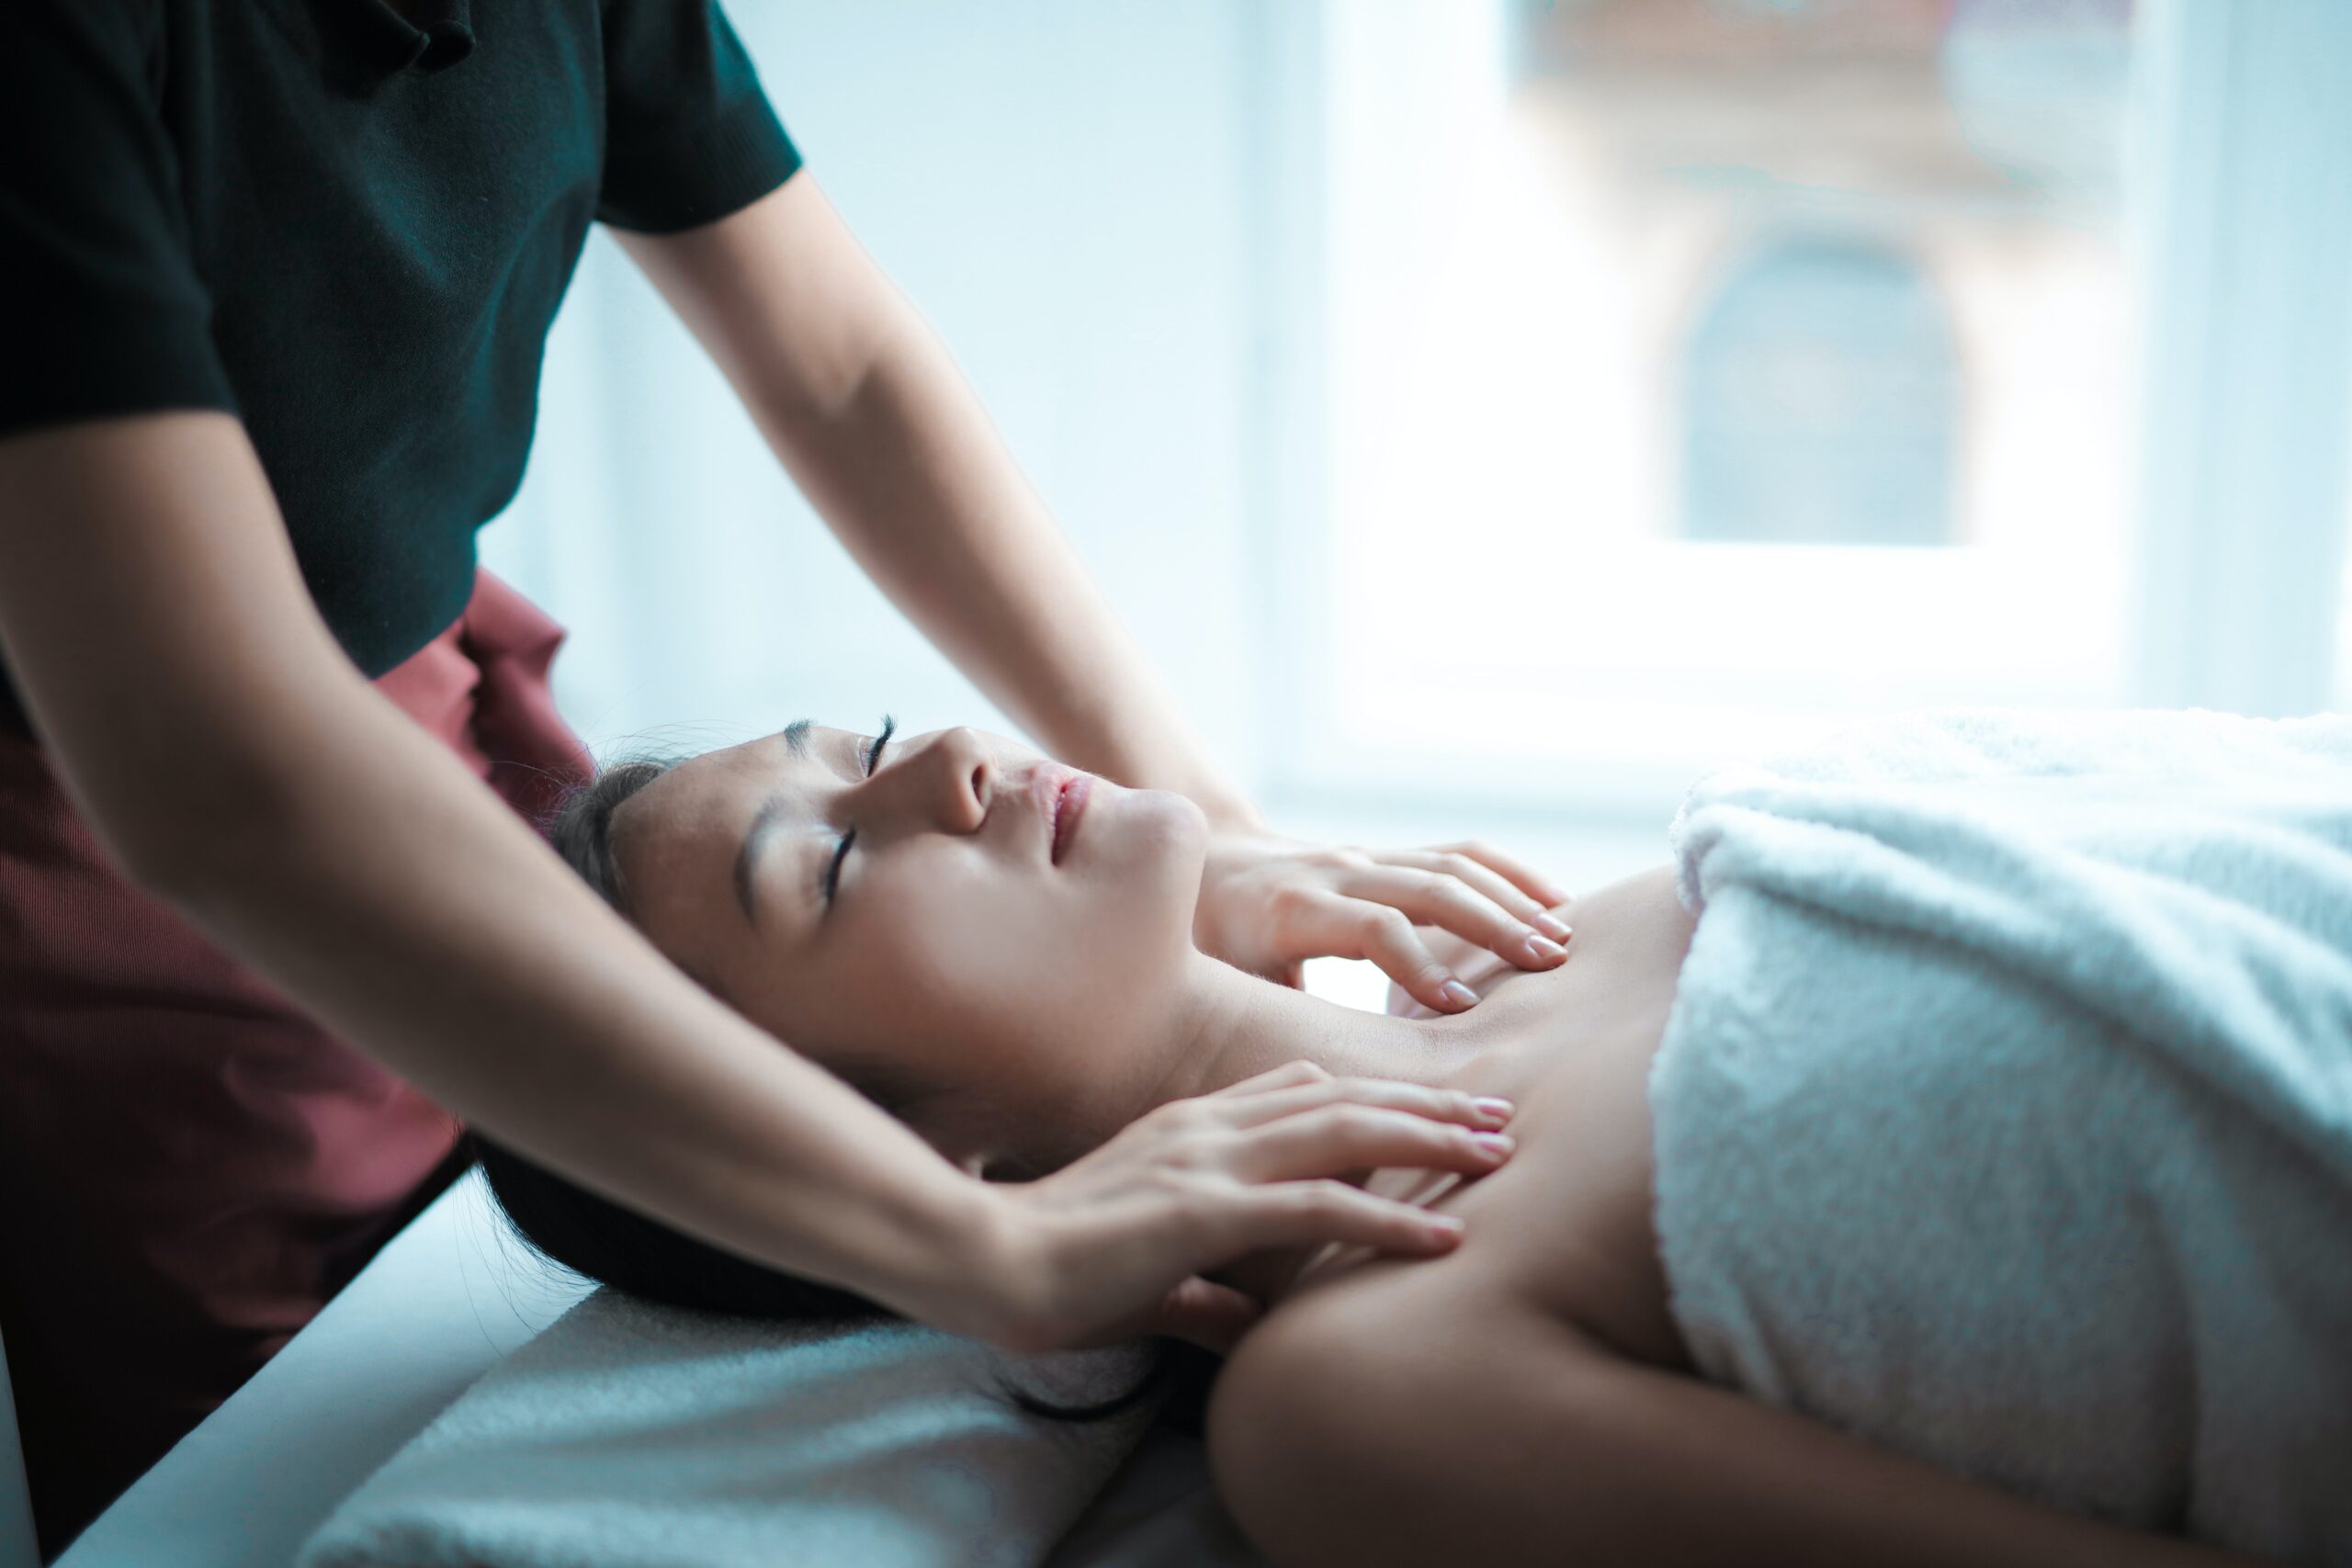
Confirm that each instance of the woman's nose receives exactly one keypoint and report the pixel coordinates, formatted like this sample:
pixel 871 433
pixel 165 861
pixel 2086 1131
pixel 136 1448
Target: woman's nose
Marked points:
pixel 956 774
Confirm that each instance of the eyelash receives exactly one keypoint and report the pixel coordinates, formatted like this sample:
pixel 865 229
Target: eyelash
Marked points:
pixel 872 762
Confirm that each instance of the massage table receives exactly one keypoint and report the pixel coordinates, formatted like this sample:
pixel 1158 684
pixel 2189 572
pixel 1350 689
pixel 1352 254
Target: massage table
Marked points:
pixel 436 1309
pixel 449 1295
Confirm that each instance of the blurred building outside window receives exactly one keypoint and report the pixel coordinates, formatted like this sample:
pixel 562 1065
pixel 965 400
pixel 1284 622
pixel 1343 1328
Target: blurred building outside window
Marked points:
pixel 1702 373
pixel 1820 402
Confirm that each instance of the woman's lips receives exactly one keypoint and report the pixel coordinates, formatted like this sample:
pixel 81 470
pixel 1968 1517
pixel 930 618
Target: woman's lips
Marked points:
pixel 1069 805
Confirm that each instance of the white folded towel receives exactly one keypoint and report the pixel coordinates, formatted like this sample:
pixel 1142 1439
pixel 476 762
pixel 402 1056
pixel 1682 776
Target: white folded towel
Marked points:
pixel 632 1436
pixel 2004 1116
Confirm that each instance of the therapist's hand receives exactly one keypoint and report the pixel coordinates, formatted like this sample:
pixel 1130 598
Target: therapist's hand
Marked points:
pixel 1268 903
pixel 1114 1245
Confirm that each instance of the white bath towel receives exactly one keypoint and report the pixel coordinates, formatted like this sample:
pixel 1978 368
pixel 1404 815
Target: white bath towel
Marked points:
pixel 630 1436
pixel 2004 1116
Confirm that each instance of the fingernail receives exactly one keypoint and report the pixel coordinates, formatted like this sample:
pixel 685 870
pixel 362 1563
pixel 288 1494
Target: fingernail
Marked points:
pixel 1544 952
pixel 1495 1144
pixel 1551 925
pixel 1458 995
pixel 1554 893
pixel 1445 1225
pixel 1500 1110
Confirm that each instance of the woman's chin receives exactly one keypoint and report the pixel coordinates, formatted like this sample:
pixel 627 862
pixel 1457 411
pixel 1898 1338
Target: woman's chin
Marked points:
pixel 1132 833
pixel 1181 825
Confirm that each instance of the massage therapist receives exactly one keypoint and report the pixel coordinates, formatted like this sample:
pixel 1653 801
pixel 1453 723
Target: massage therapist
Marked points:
pixel 278 275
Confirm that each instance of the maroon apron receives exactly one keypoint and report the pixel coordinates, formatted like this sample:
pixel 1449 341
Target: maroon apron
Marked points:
pixel 190 1167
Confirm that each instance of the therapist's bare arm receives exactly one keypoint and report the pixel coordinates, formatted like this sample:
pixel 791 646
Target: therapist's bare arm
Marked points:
pixel 233 762
pixel 881 431
pixel 874 421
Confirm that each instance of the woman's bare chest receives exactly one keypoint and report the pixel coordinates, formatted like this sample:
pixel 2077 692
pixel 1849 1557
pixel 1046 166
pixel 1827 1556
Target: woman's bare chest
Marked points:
pixel 1565 1226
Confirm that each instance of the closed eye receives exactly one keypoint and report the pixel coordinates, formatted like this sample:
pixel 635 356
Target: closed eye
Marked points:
pixel 872 762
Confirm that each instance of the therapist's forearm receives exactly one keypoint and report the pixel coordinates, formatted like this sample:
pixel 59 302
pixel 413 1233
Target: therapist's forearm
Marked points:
pixel 910 474
pixel 553 1025
pixel 232 760
pixel 866 407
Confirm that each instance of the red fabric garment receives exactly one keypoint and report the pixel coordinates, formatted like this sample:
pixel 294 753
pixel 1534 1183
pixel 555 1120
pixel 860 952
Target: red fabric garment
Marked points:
pixel 190 1167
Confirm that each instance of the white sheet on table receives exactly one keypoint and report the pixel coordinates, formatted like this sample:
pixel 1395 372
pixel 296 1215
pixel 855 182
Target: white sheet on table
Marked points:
pixel 431 1313
pixel 633 1435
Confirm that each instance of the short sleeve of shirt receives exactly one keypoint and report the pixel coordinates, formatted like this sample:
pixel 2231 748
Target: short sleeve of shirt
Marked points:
pixel 689 134
pixel 101 310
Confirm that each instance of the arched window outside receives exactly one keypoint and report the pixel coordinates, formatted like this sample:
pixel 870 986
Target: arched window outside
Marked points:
pixel 1821 400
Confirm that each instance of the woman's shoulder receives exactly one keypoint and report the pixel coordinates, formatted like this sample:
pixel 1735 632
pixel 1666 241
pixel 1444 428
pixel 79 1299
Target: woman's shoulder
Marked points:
pixel 1352 1386
pixel 1329 1343
pixel 1299 1375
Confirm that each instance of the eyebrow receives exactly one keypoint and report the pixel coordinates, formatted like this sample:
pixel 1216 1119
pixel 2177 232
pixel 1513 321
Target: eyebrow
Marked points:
pixel 764 822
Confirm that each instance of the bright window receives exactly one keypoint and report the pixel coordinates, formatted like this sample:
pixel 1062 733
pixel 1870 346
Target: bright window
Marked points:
pixel 1699 373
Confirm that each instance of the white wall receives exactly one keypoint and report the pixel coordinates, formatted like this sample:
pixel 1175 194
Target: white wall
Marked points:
pixel 1056 184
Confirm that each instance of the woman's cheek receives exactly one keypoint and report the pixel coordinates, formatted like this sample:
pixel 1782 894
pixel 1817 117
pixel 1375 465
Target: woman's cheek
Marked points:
pixel 1006 991
pixel 935 947
pixel 947 938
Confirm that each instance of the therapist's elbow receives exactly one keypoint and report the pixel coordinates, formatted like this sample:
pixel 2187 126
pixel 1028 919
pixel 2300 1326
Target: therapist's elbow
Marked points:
pixel 185 833
pixel 195 870
pixel 186 859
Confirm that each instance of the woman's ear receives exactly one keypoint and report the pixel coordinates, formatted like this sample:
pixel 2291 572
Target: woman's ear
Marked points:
pixel 960 1150
pixel 975 1145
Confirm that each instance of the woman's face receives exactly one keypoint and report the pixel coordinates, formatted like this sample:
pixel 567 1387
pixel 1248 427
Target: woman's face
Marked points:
pixel 969 921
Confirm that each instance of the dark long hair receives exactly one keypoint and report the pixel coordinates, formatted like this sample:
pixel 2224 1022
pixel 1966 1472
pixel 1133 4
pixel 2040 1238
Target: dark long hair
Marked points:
pixel 619 1247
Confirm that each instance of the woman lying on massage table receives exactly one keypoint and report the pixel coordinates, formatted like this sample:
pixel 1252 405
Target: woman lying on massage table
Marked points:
pixel 999 951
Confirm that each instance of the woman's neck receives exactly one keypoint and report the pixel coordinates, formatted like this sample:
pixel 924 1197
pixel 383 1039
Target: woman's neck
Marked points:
pixel 1240 1026
pixel 1234 1026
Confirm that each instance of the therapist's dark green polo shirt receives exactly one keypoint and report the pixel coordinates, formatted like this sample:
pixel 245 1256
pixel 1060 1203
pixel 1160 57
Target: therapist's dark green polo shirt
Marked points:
pixel 349 222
